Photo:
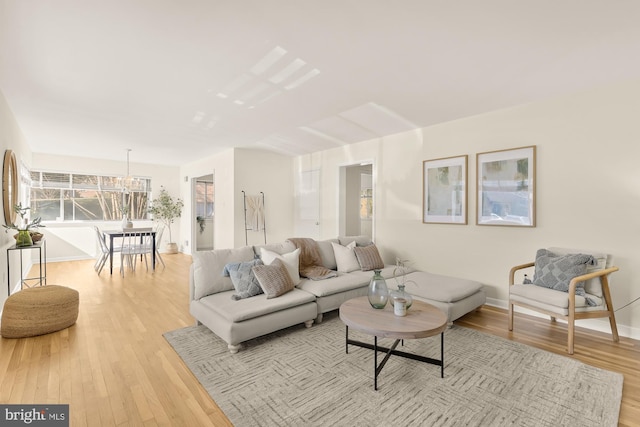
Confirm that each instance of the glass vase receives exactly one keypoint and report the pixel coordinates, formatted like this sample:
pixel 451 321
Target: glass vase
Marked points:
pixel 378 293
pixel 400 293
pixel 24 238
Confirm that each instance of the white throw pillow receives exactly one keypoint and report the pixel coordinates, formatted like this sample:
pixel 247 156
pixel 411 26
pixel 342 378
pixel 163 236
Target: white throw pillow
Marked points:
pixel 345 257
pixel 291 260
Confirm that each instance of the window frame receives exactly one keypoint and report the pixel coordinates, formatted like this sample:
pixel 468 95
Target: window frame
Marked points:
pixel 113 187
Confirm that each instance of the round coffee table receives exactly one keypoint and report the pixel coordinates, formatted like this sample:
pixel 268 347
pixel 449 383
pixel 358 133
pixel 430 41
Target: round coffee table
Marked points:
pixel 422 320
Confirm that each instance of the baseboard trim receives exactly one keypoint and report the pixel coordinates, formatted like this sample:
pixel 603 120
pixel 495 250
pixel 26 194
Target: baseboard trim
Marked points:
pixel 593 324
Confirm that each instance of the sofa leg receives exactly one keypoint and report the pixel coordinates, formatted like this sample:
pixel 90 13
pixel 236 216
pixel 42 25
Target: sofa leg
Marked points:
pixel 319 319
pixel 308 323
pixel 449 324
pixel 233 349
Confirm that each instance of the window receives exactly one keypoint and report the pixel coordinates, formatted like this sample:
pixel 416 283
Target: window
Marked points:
pixel 366 203
pixel 81 197
pixel 204 199
pixel 366 196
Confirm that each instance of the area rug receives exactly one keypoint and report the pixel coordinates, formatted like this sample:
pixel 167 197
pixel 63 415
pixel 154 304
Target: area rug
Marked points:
pixel 302 377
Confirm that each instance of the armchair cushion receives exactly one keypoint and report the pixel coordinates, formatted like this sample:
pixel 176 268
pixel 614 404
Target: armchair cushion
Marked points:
pixel 555 271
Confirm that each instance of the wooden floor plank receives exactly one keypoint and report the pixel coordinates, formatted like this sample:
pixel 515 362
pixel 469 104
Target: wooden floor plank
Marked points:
pixel 113 367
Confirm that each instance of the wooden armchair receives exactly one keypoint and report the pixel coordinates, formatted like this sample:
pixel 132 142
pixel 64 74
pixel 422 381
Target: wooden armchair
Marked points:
pixel 568 305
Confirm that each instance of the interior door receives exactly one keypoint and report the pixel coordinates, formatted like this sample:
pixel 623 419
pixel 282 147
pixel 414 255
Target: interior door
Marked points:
pixel 202 222
pixel 308 212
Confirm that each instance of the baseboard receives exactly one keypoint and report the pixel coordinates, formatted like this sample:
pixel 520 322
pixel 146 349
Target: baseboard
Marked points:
pixel 593 324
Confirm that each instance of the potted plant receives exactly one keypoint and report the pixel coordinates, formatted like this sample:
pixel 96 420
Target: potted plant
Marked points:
pixel 165 209
pixel 126 221
pixel 25 237
pixel 201 223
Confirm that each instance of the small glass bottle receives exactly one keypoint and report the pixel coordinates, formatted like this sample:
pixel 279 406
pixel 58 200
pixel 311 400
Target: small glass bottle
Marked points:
pixel 401 293
pixel 378 293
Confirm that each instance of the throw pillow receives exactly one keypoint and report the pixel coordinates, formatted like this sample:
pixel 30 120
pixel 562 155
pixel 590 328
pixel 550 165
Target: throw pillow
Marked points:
pixel 274 278
pixel 243 279
pixel 345 257
pixel 368 257
pixel 290 260
pixel 556 271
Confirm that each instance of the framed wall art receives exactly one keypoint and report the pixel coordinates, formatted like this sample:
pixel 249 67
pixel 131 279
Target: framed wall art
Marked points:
pixel 506 182
pixel 445 190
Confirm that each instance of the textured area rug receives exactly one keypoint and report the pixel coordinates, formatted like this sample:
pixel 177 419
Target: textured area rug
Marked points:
pixel 302 377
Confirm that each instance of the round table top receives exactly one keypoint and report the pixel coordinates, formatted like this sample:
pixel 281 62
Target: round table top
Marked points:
pixel 422 319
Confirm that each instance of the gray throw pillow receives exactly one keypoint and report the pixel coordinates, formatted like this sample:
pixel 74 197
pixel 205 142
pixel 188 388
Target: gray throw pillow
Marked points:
pixel 244 281
pixel 556 271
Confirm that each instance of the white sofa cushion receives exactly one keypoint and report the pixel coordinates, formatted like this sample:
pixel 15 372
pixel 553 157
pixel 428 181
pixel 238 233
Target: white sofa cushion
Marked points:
pixel 279 248
pixel 209 265
pixel 259 305
pixel 361 240
pixel 440 288
pixel 326 253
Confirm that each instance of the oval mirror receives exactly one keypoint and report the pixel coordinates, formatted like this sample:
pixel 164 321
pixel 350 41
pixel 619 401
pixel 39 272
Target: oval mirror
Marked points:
pixel 9 187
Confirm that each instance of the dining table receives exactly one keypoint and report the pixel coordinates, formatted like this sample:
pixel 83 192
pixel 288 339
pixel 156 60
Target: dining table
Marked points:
pixel 111 235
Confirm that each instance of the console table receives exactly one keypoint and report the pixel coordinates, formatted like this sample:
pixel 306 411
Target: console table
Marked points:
pixel 41 247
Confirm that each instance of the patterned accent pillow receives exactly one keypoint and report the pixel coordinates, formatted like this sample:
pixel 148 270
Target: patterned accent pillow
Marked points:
pixel 368 257
pixel 556 271
pixel 274 278
pixel 243 279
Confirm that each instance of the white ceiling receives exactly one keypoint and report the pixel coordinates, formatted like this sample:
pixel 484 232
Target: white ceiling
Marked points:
pixel 177 81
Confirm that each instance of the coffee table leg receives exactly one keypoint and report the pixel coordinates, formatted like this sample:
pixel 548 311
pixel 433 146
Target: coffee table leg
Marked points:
pixel 346 342
pixel 375 363
pixel 442 355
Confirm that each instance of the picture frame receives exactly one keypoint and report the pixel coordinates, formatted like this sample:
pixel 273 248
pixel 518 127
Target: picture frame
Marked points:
pixel 506 184
pixel 445 190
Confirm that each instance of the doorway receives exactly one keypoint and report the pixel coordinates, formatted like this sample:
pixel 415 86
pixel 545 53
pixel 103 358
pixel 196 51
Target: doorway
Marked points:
pixel 204 212
pixel 356 202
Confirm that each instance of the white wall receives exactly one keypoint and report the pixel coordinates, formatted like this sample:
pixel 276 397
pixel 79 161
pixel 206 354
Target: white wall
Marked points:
pixel 260 171
pixel 588 190
pixel 253 171
pixel 11 138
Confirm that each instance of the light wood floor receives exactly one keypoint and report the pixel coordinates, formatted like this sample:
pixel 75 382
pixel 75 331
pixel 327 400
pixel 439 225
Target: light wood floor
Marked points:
pixel 114 368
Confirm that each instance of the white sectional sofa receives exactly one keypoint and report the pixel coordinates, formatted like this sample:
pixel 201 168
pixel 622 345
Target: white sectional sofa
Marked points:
pixel 236 321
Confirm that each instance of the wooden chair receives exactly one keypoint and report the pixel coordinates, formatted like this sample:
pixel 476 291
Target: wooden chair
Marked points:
pixel 568 305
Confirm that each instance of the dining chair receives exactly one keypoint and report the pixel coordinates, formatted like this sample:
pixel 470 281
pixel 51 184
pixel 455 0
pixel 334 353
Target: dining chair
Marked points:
pixel 159 231
pixel 103 255
pixel 135 241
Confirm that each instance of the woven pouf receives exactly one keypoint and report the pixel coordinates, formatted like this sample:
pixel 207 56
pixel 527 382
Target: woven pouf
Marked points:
pixel 39 310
